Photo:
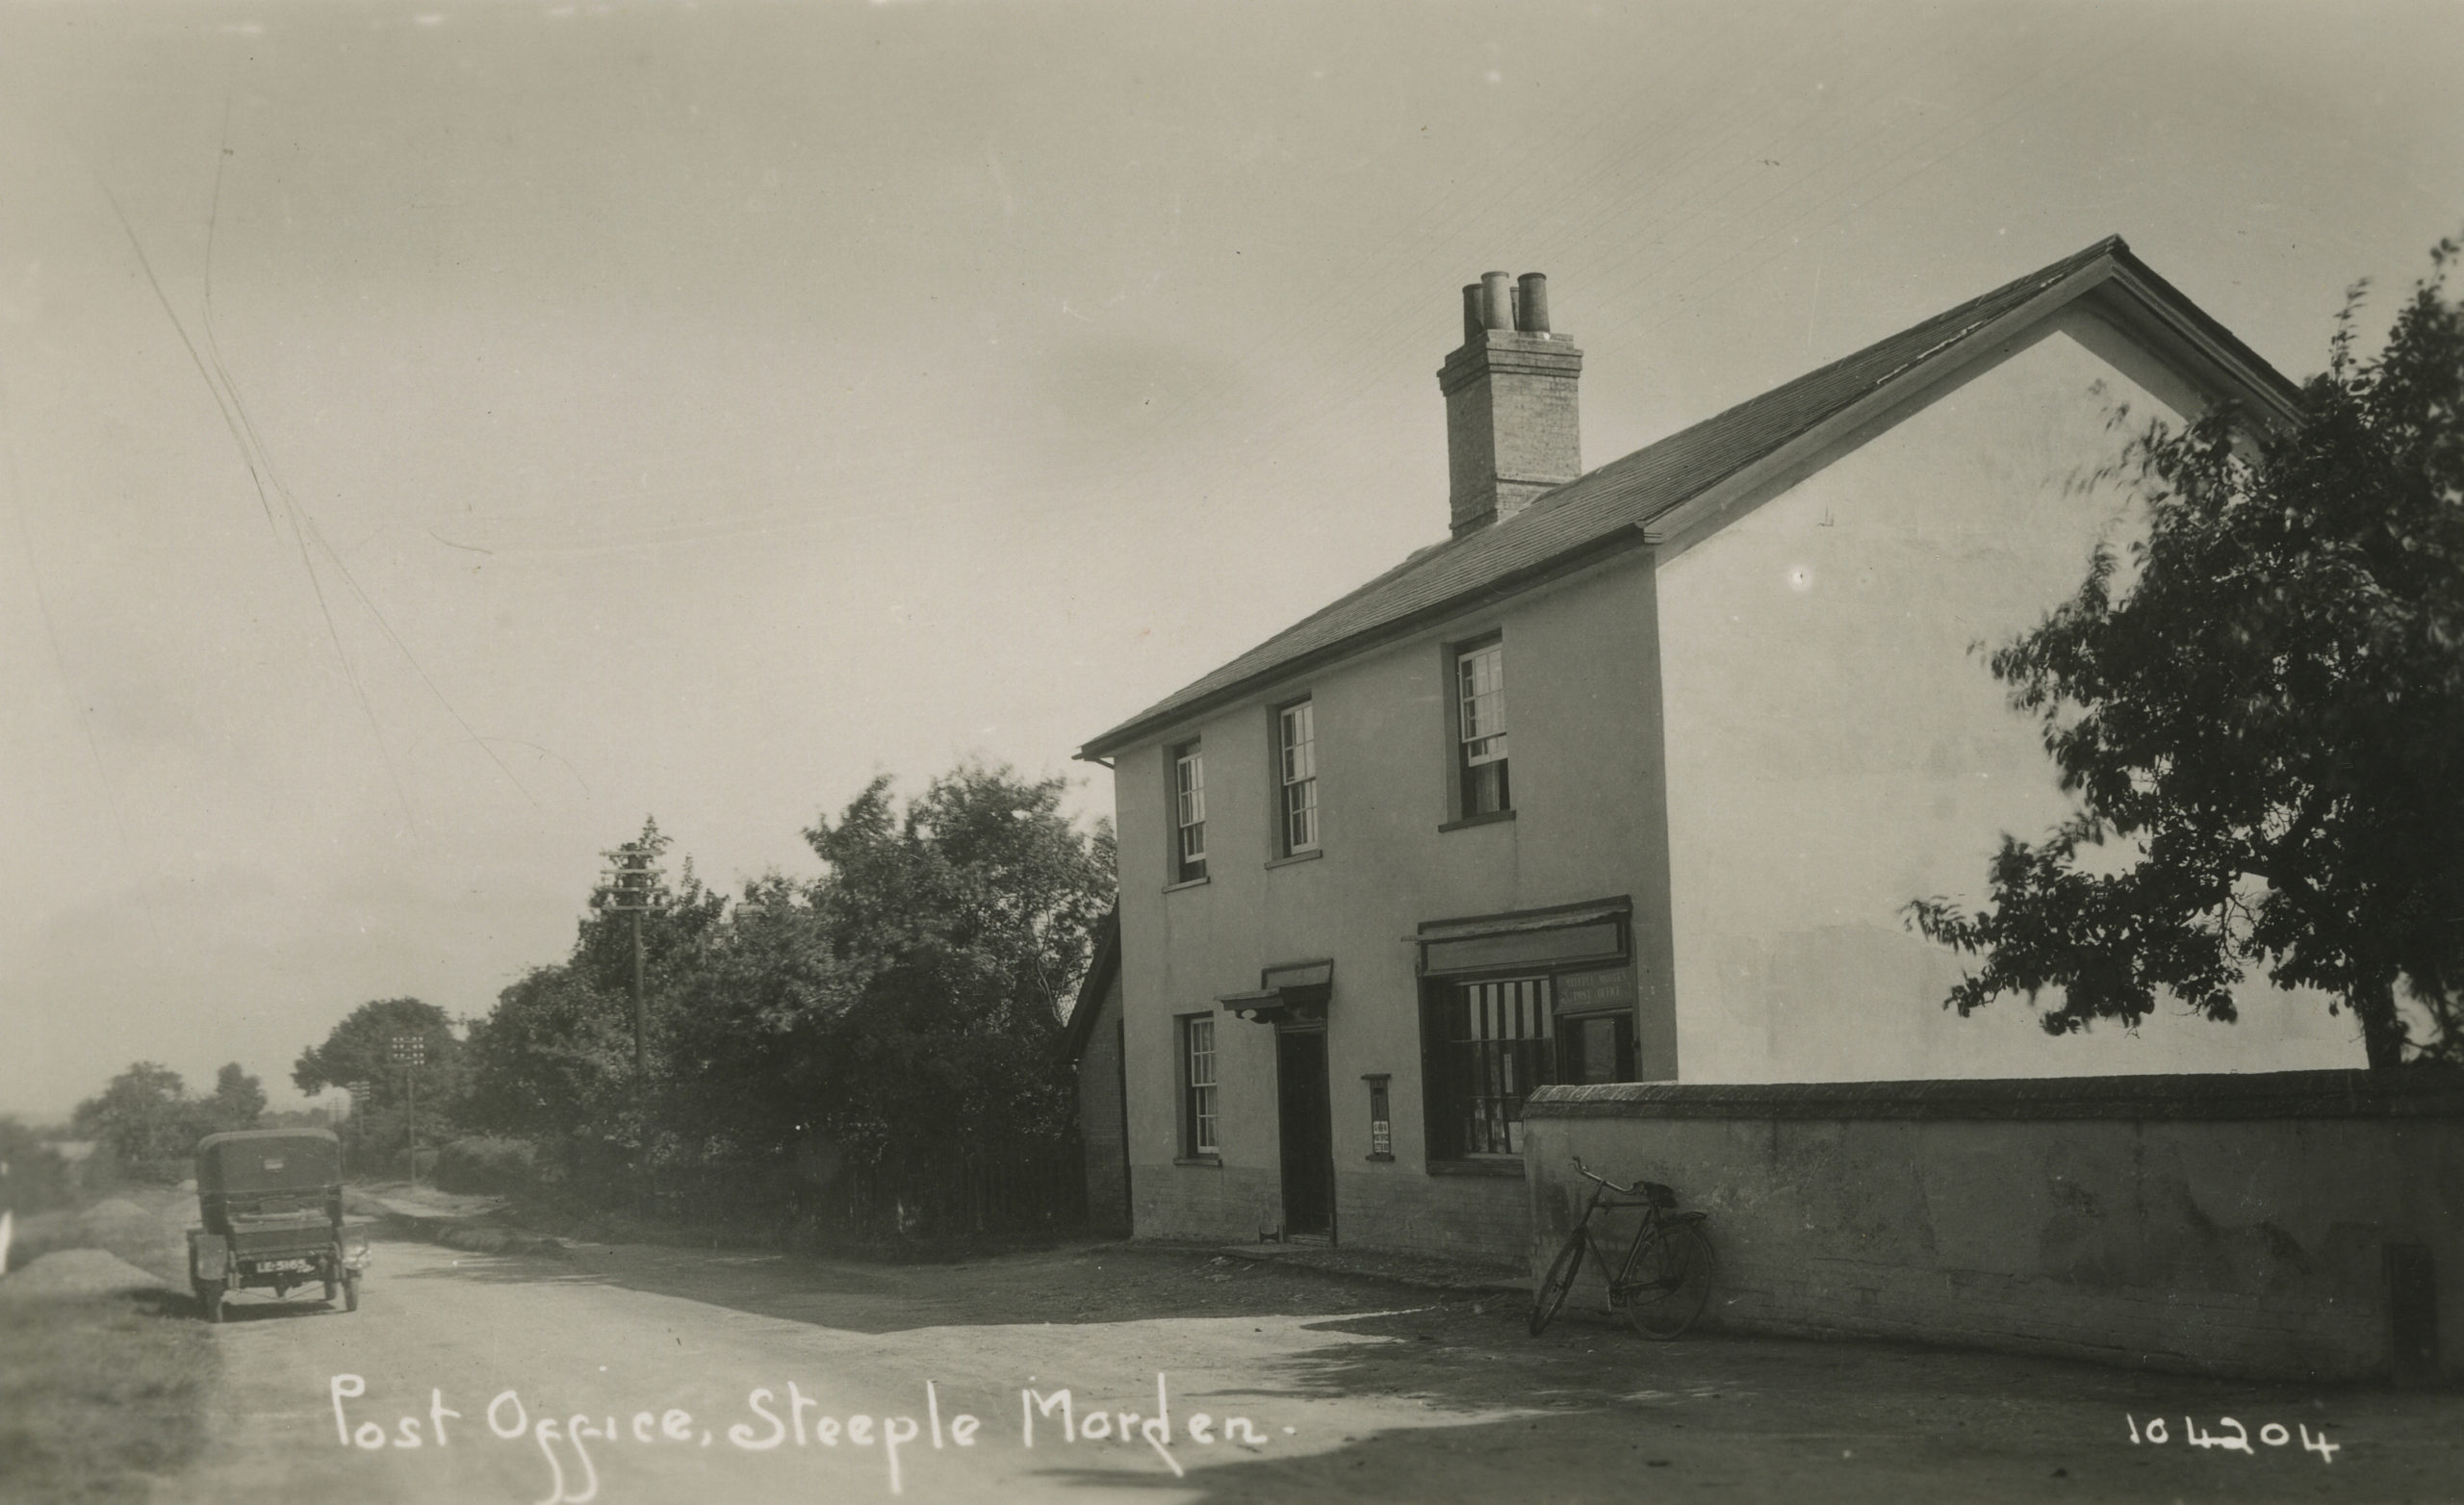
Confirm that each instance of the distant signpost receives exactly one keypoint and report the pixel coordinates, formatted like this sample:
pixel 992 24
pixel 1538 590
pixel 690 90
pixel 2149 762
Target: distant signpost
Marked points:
pixel 410 1053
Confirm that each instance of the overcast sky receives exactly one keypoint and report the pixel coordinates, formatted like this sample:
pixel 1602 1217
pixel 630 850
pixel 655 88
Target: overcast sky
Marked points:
pixel 694 410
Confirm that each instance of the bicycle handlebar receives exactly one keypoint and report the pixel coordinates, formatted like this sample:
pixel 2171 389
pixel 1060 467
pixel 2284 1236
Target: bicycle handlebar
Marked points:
pixel 1593 1175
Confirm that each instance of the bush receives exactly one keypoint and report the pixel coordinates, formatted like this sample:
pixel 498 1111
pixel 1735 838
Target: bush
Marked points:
pixel 33 1176
pixel 487 1165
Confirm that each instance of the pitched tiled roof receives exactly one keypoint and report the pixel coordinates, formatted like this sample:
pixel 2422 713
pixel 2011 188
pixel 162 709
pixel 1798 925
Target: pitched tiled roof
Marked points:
pixel 1609 506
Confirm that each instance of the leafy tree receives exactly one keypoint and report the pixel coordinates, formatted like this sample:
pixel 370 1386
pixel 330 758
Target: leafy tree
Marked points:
pixel 359 1050
pixel 909 1000
pixel 143 1114
pixel 2265 713
pixel 958 927
pixel 557 1053
pixel 555 1056
pixel 238 1099
pixel 674 916
pixel 754 1037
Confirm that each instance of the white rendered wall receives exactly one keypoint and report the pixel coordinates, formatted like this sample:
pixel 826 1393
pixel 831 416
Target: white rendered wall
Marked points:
pixel 1837 746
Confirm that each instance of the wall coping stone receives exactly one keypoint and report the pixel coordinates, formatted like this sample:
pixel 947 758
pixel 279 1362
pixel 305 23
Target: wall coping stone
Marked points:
pixel 2416 1092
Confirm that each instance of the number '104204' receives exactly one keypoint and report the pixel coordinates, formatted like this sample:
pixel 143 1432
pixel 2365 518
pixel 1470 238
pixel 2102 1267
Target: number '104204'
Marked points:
pixel 2273 1434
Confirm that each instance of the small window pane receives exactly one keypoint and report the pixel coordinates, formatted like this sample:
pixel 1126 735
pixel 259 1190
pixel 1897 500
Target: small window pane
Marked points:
pixel 1483 693
pixel 1596 1047
pixel 1189 813
pixel 1299 775
pixel 1481 710
pixel 1198 1083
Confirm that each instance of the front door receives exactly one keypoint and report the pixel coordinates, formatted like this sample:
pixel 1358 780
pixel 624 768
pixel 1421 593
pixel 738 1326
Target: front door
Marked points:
pixel 1308 1133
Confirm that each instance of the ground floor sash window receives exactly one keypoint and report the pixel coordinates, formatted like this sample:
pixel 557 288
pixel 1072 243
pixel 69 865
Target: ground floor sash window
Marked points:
pixel 1198 1086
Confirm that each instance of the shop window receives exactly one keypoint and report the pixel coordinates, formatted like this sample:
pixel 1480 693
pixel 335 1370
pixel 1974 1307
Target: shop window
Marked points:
pixel 1490 1043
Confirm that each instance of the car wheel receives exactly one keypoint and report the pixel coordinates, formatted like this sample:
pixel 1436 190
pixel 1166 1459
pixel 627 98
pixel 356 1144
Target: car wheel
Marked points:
pixel 350 1291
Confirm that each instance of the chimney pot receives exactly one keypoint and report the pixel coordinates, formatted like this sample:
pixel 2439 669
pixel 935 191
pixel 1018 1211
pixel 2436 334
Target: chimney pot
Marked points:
pixel 1531 304
pixel 1511 427
pixel 1497 301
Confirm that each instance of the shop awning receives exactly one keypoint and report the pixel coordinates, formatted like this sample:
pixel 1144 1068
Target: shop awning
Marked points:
pixel 1293 994
pixel 1566 933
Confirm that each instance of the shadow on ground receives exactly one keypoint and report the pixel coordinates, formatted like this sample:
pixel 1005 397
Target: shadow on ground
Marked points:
pixel 1588 1411
pixel 1080 1283
pixel 264 1306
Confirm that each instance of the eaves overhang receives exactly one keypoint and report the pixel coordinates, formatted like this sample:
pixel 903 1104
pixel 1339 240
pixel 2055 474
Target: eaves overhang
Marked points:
pixel 1689 485
pixel 1154 725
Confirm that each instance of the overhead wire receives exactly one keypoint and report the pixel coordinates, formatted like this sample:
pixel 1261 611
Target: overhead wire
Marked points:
pixel 59 657
pixel 253 455
pixel 248 458
pixel 304 526
pixel 257 458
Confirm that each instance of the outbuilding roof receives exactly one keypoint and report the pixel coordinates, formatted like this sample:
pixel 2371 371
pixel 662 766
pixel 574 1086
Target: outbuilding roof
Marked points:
pixel 1102 969
pixel 1617 506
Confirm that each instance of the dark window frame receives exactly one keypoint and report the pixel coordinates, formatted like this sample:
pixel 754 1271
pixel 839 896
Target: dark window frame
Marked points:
pixel 1481 790
pixel 1574 1039
pixel 1278 752
pixel 1178 800
pixel 1201 1117
pixel 1486 1043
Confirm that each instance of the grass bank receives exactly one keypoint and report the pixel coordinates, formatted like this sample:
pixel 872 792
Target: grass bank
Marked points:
pixel 99 1395
pixel 102 1394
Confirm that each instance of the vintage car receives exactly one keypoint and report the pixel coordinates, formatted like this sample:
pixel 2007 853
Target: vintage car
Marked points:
pixel 271 1201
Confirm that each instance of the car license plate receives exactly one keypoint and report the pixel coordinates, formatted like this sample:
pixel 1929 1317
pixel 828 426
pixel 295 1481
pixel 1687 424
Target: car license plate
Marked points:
pixel 272 1267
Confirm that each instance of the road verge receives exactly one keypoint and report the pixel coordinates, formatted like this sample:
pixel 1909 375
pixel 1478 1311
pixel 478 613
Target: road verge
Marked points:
pixel 452 1226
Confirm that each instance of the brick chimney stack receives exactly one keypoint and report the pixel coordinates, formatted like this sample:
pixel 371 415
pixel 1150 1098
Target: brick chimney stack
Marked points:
pixel 1511 427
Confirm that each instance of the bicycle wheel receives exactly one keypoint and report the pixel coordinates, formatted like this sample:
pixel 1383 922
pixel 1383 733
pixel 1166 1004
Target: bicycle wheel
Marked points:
pixel 1550 1296
pixel 1668 1281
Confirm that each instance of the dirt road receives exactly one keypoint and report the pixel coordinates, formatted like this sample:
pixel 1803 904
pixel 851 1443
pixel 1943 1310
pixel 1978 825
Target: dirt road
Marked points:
pixel 626 1392
pixel 658 1375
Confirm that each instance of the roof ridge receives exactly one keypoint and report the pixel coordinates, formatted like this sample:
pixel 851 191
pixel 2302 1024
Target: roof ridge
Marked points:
pixel 2048 276
pixel 1572 520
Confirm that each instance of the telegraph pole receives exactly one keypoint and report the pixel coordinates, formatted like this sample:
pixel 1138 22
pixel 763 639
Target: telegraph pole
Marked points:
pixel 410 1053
pixel 630 893
pixel 629 889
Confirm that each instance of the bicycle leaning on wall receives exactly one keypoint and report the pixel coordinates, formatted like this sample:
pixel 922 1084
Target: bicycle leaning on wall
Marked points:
pixel 1664 1280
